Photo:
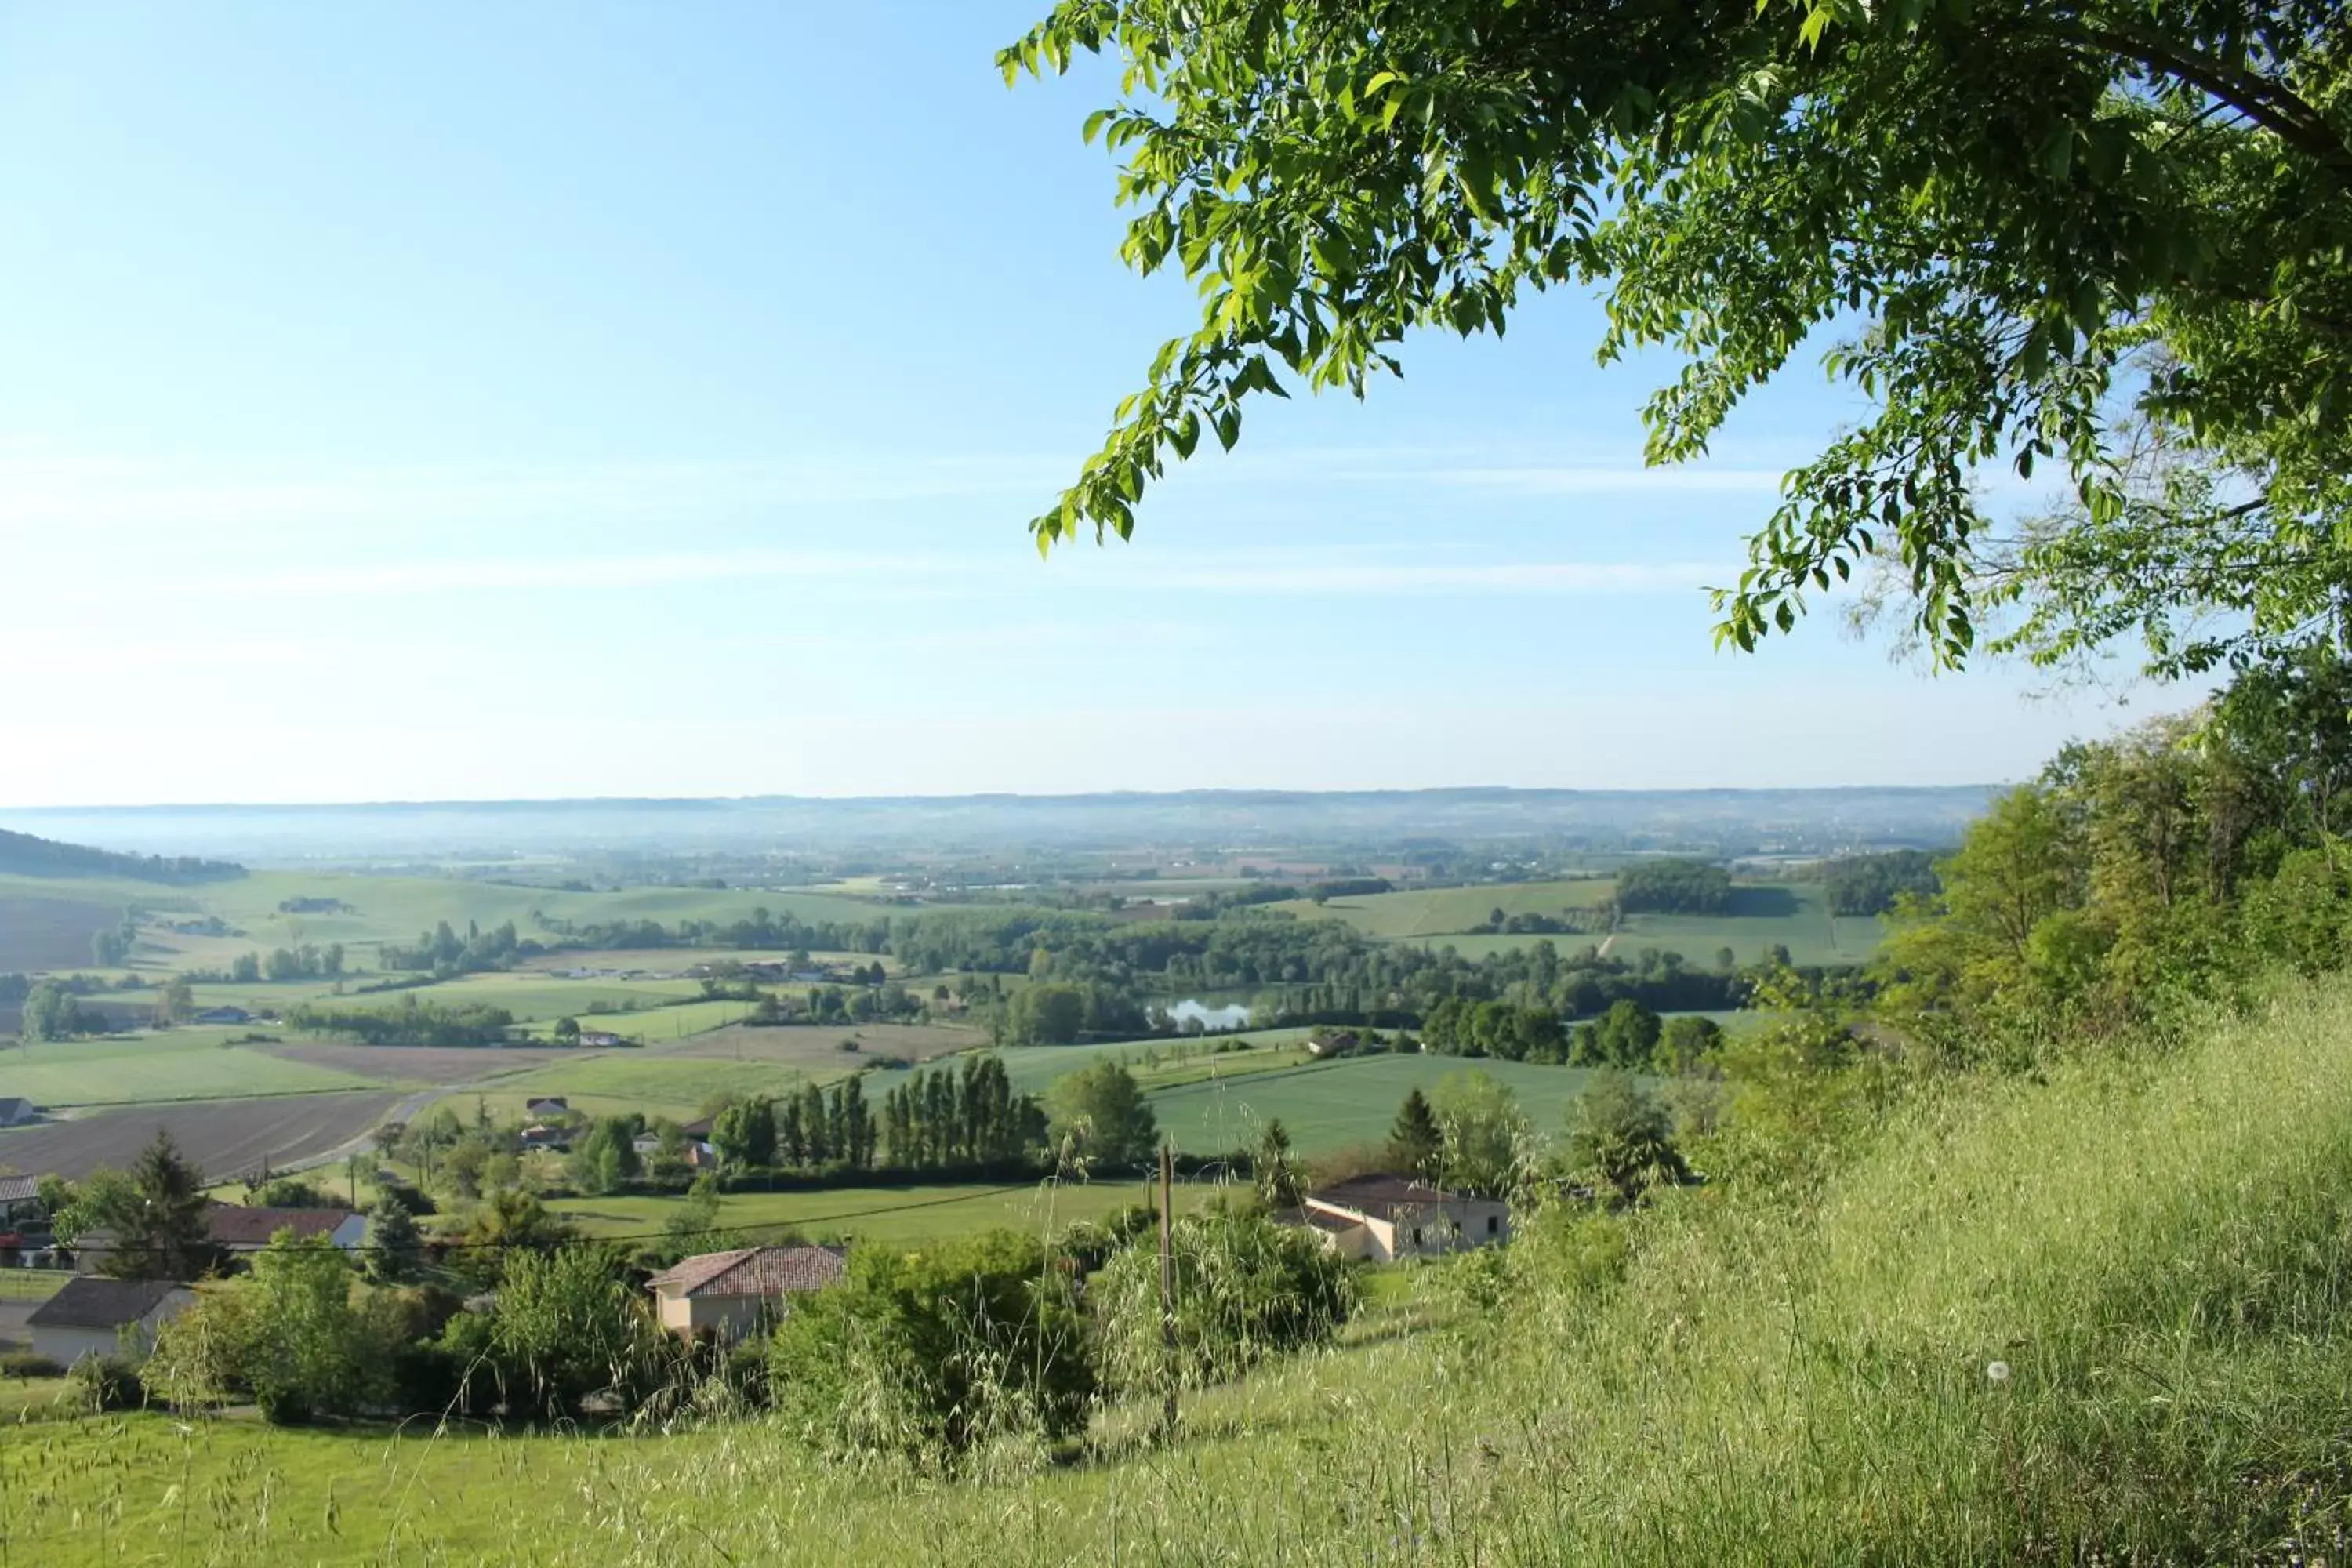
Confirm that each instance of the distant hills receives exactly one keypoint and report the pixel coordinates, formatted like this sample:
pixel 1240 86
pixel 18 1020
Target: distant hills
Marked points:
pixel 23 855
pixel 1730 821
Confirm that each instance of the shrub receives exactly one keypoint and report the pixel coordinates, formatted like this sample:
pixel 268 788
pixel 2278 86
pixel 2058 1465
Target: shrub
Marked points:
pixel 104 1384
pixel 28 1364
pixel 567 1327
pixel 1620 1139
pixel 1246 1288
pixel 929 1356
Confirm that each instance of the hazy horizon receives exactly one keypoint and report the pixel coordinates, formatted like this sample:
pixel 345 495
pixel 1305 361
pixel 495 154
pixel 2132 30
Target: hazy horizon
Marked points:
pixel 588 417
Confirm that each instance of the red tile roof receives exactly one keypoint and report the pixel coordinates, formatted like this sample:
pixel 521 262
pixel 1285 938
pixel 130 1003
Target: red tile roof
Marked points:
pixel 752 1272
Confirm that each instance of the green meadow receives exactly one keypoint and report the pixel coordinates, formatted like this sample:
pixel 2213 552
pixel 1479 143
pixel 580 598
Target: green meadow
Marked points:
pixel 1425 911
pixel 1790 915
pixel 1032 1069
pixel 181 1065
pixel 397 908
pixel 890 1215
pixel 648 1026
pixel 658 1085
pixel 1335 1105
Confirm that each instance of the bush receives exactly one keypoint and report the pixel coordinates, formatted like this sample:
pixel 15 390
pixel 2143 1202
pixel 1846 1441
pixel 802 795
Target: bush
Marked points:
pixel 28 1364
pixel 567 1327
pixel 1247 1289
pixel 1620 1139
pixel 928 1356
pixel 104 1384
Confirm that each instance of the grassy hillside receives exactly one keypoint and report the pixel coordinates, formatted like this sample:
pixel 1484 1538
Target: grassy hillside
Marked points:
pixel 2104 1316
pixel 23 855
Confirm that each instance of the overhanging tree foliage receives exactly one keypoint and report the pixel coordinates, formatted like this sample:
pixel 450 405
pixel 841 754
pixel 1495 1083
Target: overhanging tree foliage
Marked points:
pixel 2106 234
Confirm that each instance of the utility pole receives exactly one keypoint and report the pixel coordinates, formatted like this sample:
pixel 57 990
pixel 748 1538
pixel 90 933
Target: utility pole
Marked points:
pixel 1167 1287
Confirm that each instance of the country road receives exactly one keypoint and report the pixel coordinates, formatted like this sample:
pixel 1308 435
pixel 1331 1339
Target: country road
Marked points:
pixel 406 1109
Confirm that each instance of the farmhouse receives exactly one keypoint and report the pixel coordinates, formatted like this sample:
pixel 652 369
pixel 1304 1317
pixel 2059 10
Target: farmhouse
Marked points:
pixel 724 1293
pixel 599 1039
pixel 697 1152
pixel 97 1316
pixel 223 1015
pixel 553 1108
pixel 1385 1218
pixel 15 1112
pixel 240 1230
pixel 24 1218
pixel 1331 1042
pixel 539 1136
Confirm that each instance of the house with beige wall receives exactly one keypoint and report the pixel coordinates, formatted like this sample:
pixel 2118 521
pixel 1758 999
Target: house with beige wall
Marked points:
pixel 1385 1218
pixel 725 1294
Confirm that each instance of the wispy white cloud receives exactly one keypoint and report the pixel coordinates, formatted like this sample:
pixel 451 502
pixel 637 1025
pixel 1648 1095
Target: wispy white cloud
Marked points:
pixel 48 491
pixel 1604 479
pixel 886 575
pixel 1440 577
pixel 69 493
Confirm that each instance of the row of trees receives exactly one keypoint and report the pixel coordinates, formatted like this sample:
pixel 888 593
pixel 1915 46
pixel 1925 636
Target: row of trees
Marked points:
pixel 1874 884
pixel 407 1023
pixel 443 952
pixel 1628 1035
pixel 52 1012
pixel 945 1118
pixel 1674 887
pixel 306 961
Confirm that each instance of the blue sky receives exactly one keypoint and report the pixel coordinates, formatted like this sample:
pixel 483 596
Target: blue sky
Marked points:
pixel 458 401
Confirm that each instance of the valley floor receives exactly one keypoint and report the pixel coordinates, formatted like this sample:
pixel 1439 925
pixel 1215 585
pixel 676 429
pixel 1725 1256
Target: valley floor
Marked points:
pixel 2109 1316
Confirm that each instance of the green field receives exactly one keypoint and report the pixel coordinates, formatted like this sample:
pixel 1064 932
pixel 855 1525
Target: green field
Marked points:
pixel 658 1085
pixel 181 1065
pixel 657 1026
pixel 1425 911
pixel 1335 1105
pixel 1033 1068
pixel 890 1215
pixel 1791 915
pixel 398 908
pixel 532 996
pixel 31 1284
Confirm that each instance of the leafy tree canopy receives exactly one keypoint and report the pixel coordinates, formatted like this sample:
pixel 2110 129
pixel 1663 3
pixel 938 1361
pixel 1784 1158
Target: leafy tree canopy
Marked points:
pixel 2107 235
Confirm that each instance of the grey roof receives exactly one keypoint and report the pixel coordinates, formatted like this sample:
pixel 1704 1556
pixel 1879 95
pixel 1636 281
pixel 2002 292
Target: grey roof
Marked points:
pixel 19 1189
pixel 87 1301
pixel 1380 1195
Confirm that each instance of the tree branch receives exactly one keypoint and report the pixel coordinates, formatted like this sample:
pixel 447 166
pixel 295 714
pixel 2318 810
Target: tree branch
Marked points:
pixel 2272 105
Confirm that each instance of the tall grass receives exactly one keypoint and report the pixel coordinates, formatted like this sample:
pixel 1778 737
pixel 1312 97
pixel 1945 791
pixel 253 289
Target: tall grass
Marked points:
pixel 2105 1317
